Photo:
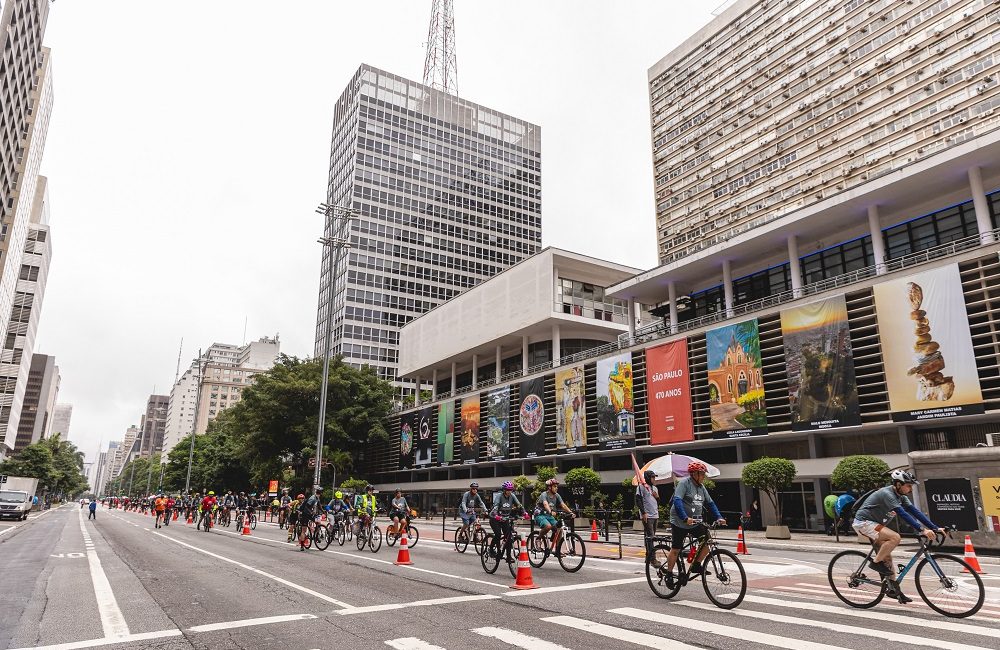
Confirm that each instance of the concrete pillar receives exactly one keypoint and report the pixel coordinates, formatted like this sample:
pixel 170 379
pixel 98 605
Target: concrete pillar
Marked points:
pixel 434 385
pixel 672 296
pixel 416 393
pixel 475 370
pixel 499 364
pixel 904 439
pixel 727 286
pixel 983 221
pixel 524 355
pixel 454 377
pixel 878 242
pixel 793 265
pixel 631 319
pixel 556 352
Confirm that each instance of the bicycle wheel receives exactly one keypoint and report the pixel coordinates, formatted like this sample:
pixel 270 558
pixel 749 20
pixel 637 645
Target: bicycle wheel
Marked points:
pixel 253 521
pixel 341 533
pixel 572 552
pixel 513 550
pixel 322 537
pixel 360 539
pixel 724 579
pixel 657 576
pixel 478 537
pixel 412 535
pixel 461 540
pixel 375 541
pixel 489 558
pixel 390 535
pixel 951 588
pixel 852 580
pixel 538 549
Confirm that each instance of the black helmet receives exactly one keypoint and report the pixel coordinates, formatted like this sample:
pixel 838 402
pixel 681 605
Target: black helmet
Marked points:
pixel 369 487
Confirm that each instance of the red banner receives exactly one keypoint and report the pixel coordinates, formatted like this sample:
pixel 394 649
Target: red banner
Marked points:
pixel 669 392
pixel 272 488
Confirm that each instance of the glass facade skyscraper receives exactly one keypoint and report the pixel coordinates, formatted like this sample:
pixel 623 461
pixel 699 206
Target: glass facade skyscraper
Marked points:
pixel 447 194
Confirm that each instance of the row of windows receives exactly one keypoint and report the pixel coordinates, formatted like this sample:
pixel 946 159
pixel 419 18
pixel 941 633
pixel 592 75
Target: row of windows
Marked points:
pixel 369 353
pixel 427 257
pixel 412 270
pixel 373 334
pixel 378 281
pixel 389 300
pixel 364 315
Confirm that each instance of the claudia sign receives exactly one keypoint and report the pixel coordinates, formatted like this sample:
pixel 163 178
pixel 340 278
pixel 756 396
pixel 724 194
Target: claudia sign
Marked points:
pixel 950 503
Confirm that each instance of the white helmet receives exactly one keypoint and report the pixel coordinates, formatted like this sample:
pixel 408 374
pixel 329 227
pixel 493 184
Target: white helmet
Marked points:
pixel 902 476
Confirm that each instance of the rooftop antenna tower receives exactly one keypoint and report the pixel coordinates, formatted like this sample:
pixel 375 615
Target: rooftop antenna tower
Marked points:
pixel 177 373
pixel 441 65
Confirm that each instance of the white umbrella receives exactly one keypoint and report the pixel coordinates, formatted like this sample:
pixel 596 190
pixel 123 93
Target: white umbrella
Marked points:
pixel 670 466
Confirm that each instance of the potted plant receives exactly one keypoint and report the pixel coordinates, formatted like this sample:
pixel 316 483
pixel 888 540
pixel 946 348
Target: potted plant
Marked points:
pixel 859 473
pixel 771 476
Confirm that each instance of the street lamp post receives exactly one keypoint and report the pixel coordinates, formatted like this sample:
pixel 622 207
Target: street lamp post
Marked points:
pixel 339 219
pixel 194 429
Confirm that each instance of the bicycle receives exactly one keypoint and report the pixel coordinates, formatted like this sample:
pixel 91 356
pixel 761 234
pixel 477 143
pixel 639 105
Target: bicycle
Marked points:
pixel 253 519
pixel 940 580
pixel 370 535
pixel 722 576
pixel 572 551
pixel 341 528
pixel 509 549
pixel 392 535
pixel 463 537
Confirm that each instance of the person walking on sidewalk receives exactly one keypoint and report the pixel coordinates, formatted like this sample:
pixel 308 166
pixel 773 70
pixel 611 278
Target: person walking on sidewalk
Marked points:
pixel 93 511
pixel 647 497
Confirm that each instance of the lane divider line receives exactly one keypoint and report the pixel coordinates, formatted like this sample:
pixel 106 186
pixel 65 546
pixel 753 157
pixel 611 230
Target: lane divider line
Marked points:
pixel 249 622
pixel 112 620
pixel 585 585
pixel 96 643
pixel 416 603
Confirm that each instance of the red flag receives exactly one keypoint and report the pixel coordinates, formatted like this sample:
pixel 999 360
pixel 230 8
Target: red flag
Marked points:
pixel 638 472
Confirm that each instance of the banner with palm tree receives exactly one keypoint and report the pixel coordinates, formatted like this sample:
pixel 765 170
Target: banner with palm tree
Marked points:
pixel 735 384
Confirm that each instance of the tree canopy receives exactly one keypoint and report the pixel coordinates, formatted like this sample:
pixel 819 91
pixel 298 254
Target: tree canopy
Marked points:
pixel 861 473
pixel 56 463
pixel 770 476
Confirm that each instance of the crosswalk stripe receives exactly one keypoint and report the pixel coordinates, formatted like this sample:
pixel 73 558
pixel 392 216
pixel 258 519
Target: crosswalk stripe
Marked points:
pixel 986 605
pixel 964 628
pixel 712 627
pixel 837 627
pixel 411 643
pixel 514 638
pixel 612 632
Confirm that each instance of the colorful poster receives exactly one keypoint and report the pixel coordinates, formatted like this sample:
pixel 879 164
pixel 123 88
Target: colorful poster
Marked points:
pixel 668 389
pixel 531 418
pixel 470 429
pixel 820 366
pixel 272 488
pixel 989 490
pixel 424 442
pixel 498 424
pixel 930 366
pixel 571 411
pixel 735 386
pixel 446 432
pixel 408 424
pixel 615 411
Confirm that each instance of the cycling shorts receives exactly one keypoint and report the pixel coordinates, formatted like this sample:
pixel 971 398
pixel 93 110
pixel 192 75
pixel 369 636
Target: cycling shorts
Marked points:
pixel 467 517
pixel 545 519
pixel 679 533
pixel 398 513
pixel 867 528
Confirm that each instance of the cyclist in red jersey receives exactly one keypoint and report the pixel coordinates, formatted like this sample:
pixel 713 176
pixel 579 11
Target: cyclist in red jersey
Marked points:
pixel 207 506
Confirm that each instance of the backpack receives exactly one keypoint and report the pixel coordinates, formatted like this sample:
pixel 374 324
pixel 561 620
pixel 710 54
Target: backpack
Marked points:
pixel 849 513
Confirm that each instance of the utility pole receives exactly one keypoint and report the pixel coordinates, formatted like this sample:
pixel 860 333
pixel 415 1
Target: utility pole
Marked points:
pixel 194 429
pixel 338 220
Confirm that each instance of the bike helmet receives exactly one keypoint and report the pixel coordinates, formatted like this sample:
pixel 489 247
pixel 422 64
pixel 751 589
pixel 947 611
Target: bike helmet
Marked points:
pixel 507 485
pixel 369 487
pixel 474 486
pixel 301 496
pixel 551 482
pixel 211 493
pixel 903 476
pixel 697 466
pixel 339 494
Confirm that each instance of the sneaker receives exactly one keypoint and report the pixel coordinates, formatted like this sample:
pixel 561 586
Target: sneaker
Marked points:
pixel 668 580
pixel 656 564
pixel 881 568
pixel 697 568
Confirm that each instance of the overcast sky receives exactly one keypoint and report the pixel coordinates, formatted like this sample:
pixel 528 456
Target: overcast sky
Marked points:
pixel 189 143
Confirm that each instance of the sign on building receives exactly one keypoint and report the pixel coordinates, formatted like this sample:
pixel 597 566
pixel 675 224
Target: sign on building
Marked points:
pixel 950 503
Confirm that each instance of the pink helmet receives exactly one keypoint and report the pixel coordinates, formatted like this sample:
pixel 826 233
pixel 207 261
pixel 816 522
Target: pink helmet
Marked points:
pixel 507 485
pixel 696 466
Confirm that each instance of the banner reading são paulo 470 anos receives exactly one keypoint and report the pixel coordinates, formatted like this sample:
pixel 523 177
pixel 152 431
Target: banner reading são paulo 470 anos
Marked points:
pixel 930 366
pixel 669 392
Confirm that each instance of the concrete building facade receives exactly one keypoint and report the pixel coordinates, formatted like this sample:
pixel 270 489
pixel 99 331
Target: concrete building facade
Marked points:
pixel 153 425
pixel 61 419
pixel 41 392
pixel 225 378
pixel 447 194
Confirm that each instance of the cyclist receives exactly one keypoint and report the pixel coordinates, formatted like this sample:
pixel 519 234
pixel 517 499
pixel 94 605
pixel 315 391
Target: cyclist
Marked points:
pixel 338 507
pixel 308 511
pixel 169 510
pixel 880 507
pixel 545 513
pixel 687 509
pixel 293 514
pixel 505 506
pixel 365 506
pixel 285 503
pixel 160 506
pixel 467 506
pixel 648 499
pixel 399 512
pixel 242 503
pixel 205 508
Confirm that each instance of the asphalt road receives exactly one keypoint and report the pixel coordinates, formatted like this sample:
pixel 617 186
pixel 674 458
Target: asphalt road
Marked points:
pixel 117 582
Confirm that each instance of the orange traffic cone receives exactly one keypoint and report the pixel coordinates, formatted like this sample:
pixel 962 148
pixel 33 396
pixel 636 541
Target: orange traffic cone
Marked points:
pixel 176 515
pixel 593 530
pixel 190 518
pixel 246 526
pixel 403 558
pixel 970 557
pixel 524 569
pixel 741 545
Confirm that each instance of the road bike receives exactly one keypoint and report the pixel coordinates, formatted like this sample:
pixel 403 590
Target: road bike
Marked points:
pixel 722 575
pixel 508 550
pixel 224 518
pixel 463 536
pixel 370 535
pixel 392 535
pixel 946 583
pixel 572 552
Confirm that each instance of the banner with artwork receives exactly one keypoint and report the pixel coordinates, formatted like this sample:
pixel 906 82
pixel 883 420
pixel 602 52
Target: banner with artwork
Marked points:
pixel 498 424
pixel 668 389
pixel 531 418
pixel 408 424
pixel 470 429
pixel 820 366
pixel 615 410
pixel 424 443
pixel 446 432
pixel 735 386
pixel 571 411
pixel 930 366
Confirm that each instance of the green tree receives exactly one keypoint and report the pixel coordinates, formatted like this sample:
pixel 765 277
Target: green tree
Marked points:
pixel 56 463
pixel 861 473
pixel 584 477
pixel 355 485
pixel 770 476
pixel 542 474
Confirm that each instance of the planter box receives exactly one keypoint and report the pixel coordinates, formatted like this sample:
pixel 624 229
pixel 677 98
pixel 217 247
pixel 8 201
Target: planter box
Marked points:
pixel 777 532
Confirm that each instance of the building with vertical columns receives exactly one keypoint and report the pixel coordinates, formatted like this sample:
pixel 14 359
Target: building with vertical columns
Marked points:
pixel 153 425
pixel 40 395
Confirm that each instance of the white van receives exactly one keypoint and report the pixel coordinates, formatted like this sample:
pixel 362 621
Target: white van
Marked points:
pixel 14 504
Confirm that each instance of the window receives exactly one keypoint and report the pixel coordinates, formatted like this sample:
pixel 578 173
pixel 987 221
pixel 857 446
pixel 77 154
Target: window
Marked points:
pixel 838 260
pixel 931 230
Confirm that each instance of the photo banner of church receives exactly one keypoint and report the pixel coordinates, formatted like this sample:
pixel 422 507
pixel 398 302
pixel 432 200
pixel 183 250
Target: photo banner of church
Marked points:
pixel 735 385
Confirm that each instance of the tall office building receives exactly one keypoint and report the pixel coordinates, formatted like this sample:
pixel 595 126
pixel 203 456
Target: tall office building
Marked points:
pixel 61 420
pixel 153 425
pixel 98 470
pixel 41 392
pixel 124 451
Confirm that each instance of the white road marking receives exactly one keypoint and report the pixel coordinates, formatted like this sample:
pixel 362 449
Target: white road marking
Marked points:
pixel 411 643
pixel 713 627
pixel 249 622
pixel 778 570
pixel 96 643
pixel 112 621
pixel 514 638
pixel 963 628
pixel 584 585
pixel 287 583
pixel 14 525
pixel 878 633
pixel 416 603
pixel 612 632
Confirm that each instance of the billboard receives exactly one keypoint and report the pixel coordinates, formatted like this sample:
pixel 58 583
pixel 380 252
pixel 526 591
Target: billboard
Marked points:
pixel 408 424
pixel 423 444
pixel 498 424
pixel 822 390
pixel 735 386
pixel 930 367
pixel 531 418
pixel 571 411
pixel 668 388
pixel 446 432
pixel 272 488
pixel 615 410
pixel 950 503
pixel 470 429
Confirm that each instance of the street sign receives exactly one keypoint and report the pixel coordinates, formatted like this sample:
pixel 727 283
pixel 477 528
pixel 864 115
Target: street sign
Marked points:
pixel 312 463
